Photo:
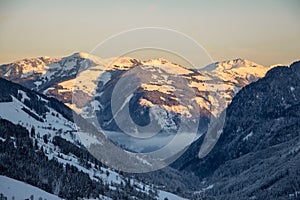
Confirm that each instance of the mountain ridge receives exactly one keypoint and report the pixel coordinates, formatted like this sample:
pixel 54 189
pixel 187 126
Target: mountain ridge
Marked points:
pixel 257 154
pixel 86 85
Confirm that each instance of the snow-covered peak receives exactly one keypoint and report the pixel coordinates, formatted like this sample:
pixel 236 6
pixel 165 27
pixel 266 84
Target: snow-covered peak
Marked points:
pixel 81 54
pixel 238 63
pixel 232 70
pixel 167 66
pixel 87 56
pixel 26 67
pixel 232 64
pixel 121 62
pixel 158 61
pixel 33 68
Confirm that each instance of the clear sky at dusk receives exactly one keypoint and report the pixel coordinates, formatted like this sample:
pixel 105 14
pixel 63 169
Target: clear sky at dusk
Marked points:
pixel 266 32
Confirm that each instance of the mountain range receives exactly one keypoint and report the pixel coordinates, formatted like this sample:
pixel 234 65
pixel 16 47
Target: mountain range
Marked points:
pixel 44 143
pixel 87 83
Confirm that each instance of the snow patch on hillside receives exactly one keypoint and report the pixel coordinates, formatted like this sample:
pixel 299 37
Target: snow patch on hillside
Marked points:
pixel 8 73
pixel 248 136
pixel 19 190
pixel 24 95
pixel 54 121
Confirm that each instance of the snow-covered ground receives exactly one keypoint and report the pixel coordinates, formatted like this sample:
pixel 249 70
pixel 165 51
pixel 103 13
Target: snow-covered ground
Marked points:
pixel 162 195
pixel 19 190
pixel 13 112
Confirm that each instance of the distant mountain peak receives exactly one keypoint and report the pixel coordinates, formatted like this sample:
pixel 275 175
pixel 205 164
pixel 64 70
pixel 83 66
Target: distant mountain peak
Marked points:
pixel 233 64
pixel 80 55
pixel 159 61
pixel 83 54
pixel 237 63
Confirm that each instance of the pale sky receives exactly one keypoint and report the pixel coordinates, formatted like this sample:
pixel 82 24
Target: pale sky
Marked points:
pixel 266 32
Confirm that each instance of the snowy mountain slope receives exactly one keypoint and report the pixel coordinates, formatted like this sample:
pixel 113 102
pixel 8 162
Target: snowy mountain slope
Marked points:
pixel 44 128
pixel 40 73
pixel 19 190
pixel 238 70
pixel 167 92
pixel 33 111
pixel 26 68
pixel 50 119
